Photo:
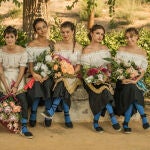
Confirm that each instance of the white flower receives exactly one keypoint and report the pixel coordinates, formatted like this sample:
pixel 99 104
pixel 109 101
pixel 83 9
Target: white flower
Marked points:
pixel 121 77
pixel 43 74
pixel 89 79
pixel 44 67
pixel 48 58
pixel 37 66
pixel 100 77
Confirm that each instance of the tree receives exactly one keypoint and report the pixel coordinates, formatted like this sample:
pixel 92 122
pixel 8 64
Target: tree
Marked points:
pixel 91 4
pixel 31 10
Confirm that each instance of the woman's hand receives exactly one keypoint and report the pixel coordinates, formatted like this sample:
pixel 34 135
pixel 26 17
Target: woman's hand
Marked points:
pixel 128 81
pixel 37 77
pixel 45 78
pixel 8 90
pixel 14 90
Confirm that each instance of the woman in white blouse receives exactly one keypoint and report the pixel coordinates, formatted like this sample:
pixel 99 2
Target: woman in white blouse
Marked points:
pixel 71 50
pixel 13 61
pixel 128 96
pixel 42 88
pixel 100 96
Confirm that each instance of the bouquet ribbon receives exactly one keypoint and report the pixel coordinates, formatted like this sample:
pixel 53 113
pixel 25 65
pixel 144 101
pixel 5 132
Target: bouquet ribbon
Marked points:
pixel 30 84
pixel 9 95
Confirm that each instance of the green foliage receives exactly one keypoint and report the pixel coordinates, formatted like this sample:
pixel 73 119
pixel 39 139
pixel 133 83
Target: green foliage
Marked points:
pixel 55 30
pixel 22 37
pixel 16 2
pixel 111 4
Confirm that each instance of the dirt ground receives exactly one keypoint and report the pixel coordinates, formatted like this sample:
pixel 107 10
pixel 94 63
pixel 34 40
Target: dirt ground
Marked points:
pixel 81 137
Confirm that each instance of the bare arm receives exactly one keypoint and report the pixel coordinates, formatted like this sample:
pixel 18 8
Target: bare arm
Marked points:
pixel 36 76
pixel 2 77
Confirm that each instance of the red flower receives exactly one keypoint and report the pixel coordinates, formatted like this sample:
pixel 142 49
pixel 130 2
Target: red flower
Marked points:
pixel 92 72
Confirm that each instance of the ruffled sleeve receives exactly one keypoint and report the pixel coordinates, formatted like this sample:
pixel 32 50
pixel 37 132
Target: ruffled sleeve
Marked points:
pixel 30 54
pixel 24 59
pixel 144 64
pixel 79 57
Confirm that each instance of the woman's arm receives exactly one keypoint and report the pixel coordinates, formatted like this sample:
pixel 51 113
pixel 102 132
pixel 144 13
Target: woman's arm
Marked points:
pixel 19 78
pixel 2 77
pixel 36 76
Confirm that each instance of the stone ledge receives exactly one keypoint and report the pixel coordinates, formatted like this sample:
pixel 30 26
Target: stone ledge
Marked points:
pixel 80 112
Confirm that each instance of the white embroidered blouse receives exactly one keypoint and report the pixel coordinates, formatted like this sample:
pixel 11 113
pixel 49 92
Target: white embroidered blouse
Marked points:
pixel 73 57
pixel 33 52
pixel 96 58
pixel 138 59
pixel 11 63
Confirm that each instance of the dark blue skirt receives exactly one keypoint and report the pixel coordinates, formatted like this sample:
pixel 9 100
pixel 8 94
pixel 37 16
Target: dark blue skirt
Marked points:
pixel 125 95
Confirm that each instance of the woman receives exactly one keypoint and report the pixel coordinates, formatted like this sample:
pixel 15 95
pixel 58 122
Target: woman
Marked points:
pixel 13 60
pixel 128 96
pixel 42 88
pixel 100 97
pixel 71 50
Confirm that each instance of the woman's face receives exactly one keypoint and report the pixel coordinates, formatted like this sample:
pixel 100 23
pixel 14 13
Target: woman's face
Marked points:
pixel 10 39
pixel 131 38
pixel 67 34
pixel 97 35
pixel 41 29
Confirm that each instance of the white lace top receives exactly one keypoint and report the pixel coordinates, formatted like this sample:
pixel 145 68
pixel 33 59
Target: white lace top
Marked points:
pixel 74 57
pixel 11 63
pixel 139 60
pixel 96 58
pixel 33 52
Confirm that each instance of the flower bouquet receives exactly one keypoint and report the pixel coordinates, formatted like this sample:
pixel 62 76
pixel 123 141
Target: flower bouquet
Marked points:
pixel 126 70
pixel 95 75
pixel 42 66
pixel 10 113
pixel 123 70
pixel 61 67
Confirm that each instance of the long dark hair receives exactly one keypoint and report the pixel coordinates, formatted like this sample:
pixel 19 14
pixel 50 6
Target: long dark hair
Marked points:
pixel 68 24
pixel 36 21
pixel 95 27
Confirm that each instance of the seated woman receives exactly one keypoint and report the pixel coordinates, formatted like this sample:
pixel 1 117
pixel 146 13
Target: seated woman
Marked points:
pixel 100 97
pixel 128 96
pixel 13 60
pixel 42 88
pixel 64 87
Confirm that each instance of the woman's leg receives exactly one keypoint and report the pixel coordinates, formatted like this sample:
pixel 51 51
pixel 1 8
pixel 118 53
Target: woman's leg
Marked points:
pixel 33 114
pixel 48 104
pixel 127 117
pixel 143 115
pixel 68 121
pixel 24 113
pixel 95 123
pixel 114 121
pixel 50 112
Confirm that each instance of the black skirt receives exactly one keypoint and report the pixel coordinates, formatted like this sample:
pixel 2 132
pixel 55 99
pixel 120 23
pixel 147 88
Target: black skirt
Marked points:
pixel 60 91
pixel 125 95
pixel 98 101
pixel 41 90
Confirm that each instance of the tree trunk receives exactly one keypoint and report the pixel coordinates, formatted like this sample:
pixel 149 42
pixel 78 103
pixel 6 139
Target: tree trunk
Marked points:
pixel 91 19
pixel 33 9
